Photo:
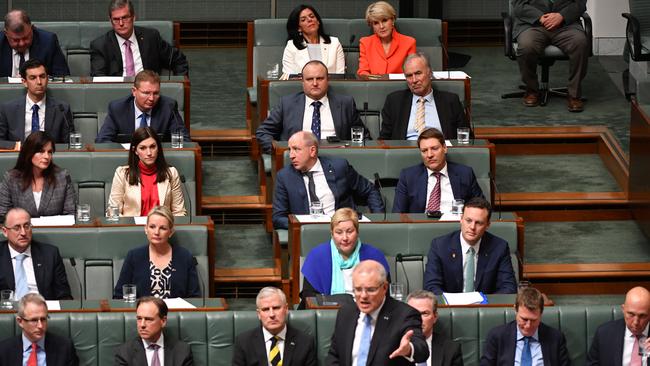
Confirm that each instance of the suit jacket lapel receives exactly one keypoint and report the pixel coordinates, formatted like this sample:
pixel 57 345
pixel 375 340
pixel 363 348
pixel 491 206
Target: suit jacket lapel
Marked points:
pixel 349 341
pixel 442 116
pixel 324 52
pixel 337 115
pixel 483 258
pixel 421 186
pixel 299 187
pixel 407 99
pixel 162 191
pixel 37 259
pixel 330 176
pixel 436 349
pixel 7 61
pixel 51 352
pixel 50 110
pixel 6 266
pixel 456 258
pixel 46 196
pixel 297 114
pixel 19 115
pixel 259 344
pixel 139 355
pixel 381 327
pixel 511 345
pixel 453 180
pixel 116 56
pixel 289 347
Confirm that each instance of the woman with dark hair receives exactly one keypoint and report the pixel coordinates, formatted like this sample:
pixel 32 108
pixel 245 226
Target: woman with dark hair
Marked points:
pixel 147 181
pixel 36 184
pixel 308 41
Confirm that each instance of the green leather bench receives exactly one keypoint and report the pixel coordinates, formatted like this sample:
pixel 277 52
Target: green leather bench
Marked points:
pixel 99 253
pixel 212 334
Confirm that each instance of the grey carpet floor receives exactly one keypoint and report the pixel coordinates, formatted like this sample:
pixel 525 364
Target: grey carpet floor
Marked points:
pixel 230 176
pixel 240 246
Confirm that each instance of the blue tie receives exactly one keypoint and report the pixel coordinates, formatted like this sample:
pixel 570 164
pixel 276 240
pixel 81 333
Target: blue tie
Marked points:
pixel 315 119
pixel 364 346
pixel 35 119
pixel 526 356
pixel 143 120
pixel 21 277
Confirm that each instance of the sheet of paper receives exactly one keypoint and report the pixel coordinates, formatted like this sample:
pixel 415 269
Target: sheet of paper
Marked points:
pixel 448 143
pixel 60 220
pixel 463 298
pixel 140 220
pixel 108 79
pixel 126 146
pixel 448 216
pixel 178 303
pixel 450 75
pixel 11 80
pixel 53 305
pixel 396 77
pixel 310 218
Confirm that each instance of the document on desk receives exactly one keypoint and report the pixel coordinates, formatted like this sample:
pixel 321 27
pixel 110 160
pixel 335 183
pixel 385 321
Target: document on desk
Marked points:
pixel 448 216
pixel 396 77
pixel 322 218
pixel 53 305
pixel 178 303
pixel 464 298
pixel 11 80
pixel 108 79
pixel 450 75
pixel 140 220
pixel 59 220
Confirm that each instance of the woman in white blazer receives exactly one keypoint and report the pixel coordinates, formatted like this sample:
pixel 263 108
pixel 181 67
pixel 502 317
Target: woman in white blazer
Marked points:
pixel 306 33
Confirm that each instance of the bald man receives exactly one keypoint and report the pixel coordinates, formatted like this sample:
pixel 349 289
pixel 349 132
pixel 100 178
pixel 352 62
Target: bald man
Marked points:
pixel 617 342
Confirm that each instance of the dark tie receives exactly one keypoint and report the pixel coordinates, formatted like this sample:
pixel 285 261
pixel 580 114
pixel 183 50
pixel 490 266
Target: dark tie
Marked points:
pixel 364 345
pixel 275 358
pixel 35 119
pixel 155 359
pixel 143 120
pixel 21 60
pixel 526 355
pixel 313 198
pixel 315 119
pixel 434 197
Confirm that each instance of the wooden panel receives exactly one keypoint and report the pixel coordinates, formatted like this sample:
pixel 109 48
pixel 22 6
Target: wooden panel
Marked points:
pixel 639 183
pixel 575 215
pixel 589 288
pixel 589 147
pixel 221 135
pixel 526 199
pixel 586 270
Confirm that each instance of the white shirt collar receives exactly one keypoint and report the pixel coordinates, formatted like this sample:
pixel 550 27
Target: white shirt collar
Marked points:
pixel 317 167
pixel 29 102
pixel 27 343
pixel 465 246
pixel 309 101
pixel 535 336
pixel 13 253
pixel 121 40
pixel 375 313
pixel 428 97
pixel 628 333
pixel 443 171
pixel 160 342
pixel 282 334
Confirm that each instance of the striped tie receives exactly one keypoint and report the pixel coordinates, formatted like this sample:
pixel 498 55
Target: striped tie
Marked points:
pixel 434 197
pixel 419 115
pixel 274 354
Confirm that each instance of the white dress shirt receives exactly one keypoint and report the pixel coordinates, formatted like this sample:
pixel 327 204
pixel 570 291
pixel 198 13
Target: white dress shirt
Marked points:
pixel 628 344
pixel 323 191
pixel 138 113
pixel 161 351
pixel 430 115
pixel 28 266
pixel 464 247
pixel 15 67
pixel 135 50
pixel 535 349
pixel 28 115
pixel 446 194
pixel 268 339
pixel 326 121
pixel 358 333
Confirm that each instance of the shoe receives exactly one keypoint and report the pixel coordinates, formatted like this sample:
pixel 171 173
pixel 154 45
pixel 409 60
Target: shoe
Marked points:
pixel 531 100
pixel 575 104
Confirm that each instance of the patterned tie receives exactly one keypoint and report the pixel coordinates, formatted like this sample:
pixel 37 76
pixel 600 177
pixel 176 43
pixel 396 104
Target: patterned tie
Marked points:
pixel 434 197
pixel 155 360
pixel 526 355
pixel 20 277
pixel 35 120
pixel 274 354
pixel 364 345
pixel 313 197
pixel 143 120
pixel 468 283
pixel 128 58
pixel 635 360
pixel 315 119
pixel 419 115
pixel 33 357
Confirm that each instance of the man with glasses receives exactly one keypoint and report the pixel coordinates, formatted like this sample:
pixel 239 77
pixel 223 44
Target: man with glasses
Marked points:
pixel 28 266
pixel 376 330
pixel 21 41
pixel 145 107
pixel 126 50
pixel 35 345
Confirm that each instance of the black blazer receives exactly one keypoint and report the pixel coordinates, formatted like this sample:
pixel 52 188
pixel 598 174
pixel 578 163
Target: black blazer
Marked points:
pixel 250 349
pixel 501 345
pixel 59 351
pixel 49 271
pixel 132 353
pixel 397 108
pixel 394 319
pixel 45 47
pixel 607 345
pixel 444 351
pixel 156 54
pixel 58 121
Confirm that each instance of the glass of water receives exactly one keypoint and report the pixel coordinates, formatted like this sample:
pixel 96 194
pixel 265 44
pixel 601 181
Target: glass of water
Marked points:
pixel 273 72
pixel 6 299
pixel 397 291
pixel 316 209
pixel 177 140
pixel 113 213
pixel 644 352
pixel 75 141
pixel 357 134
pixel 463 135
pixel 83 212
pixel 457 206
pixel 129 293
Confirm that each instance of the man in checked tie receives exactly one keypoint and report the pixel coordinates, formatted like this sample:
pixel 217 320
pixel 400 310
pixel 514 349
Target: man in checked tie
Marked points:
pixel 470 259
pixel 35 346
pixel 274 343
pixel 152 347
pixel 618 342
pixel 376 330
pixel 526 341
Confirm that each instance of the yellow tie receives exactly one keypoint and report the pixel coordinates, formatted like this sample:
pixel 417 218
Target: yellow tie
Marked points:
pixel 274 354
pixel 419 115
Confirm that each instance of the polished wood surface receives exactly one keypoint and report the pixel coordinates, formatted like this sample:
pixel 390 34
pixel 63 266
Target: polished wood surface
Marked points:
pixel 640 167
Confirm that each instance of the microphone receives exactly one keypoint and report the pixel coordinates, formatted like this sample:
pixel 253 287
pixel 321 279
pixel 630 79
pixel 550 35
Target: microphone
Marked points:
pixel 198 274
pixel 187 194
pixel 493 181
pixel 400 258
pixel 73 262
pixel 66 120
pixel 352 38
pixel 445 54
pixel 408 258
pixel 381 193
pixel 365 118
pixel 169 64
pixel 177 126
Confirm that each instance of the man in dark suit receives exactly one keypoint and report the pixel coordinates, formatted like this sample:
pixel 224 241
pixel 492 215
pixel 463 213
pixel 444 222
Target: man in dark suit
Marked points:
pixel 617 342
pixel 21 41
pixel 29 266
pixel 452 265
pixel 526 339
pixel 434 184
pixel 45 113
pixel 539 23
pixel 442 351
pixel 439 109
pixel 334 115
pixel 35 344
pixel 310 178
pixel 126 50
pixel 389 331
pixel 151 317
pixel 274 341
pixel 144 107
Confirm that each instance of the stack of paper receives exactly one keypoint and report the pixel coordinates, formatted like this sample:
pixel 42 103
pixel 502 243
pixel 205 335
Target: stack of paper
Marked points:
pixel 178 303
pixel 464 298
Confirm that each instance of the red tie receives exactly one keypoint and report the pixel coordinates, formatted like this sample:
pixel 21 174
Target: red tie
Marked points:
pixel 32 361
pixel 434 197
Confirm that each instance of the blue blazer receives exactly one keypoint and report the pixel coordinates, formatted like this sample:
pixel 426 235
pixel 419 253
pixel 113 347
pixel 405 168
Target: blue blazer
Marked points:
pixel 347 186
pixel 59 351
pixel 45 47
pixel 121 118
pixel 444 271
pixel 501 345
pixel 607 345
pixel 286 119
pixel 411 190
pixel 135 270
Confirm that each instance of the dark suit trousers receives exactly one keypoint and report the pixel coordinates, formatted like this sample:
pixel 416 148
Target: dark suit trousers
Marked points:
pixel 572 41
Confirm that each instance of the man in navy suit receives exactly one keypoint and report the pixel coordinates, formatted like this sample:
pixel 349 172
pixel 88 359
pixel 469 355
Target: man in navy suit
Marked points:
pixel 148 51
pixel 470 259
pixel 417 185
pixel 45 113
pixel 41 267
pixel 526 340
pixel 617 342
pixel 35 345
pixel 333 181
pixel 21 41
pixel 274 341
pixel 337 114
pixel 144 107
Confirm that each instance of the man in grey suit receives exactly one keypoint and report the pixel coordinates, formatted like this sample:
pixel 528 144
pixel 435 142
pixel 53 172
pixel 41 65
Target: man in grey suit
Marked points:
pixel 152 348
pixel 314 109
pixel 35 111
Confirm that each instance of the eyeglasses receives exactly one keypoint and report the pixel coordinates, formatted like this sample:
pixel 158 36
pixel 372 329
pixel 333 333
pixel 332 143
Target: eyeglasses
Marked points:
pixel 149 93
pixel 35 321
pixel 124 19
pixel 16 228
pixel 368 290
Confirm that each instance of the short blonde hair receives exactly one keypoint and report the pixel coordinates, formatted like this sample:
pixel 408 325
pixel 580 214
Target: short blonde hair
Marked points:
pixel 380 10
pixel 164 212
pixel 342 215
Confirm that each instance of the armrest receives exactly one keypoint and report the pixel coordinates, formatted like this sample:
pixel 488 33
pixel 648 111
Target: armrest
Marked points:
pixel 586 20
pixel 507 32
pixel 634 28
